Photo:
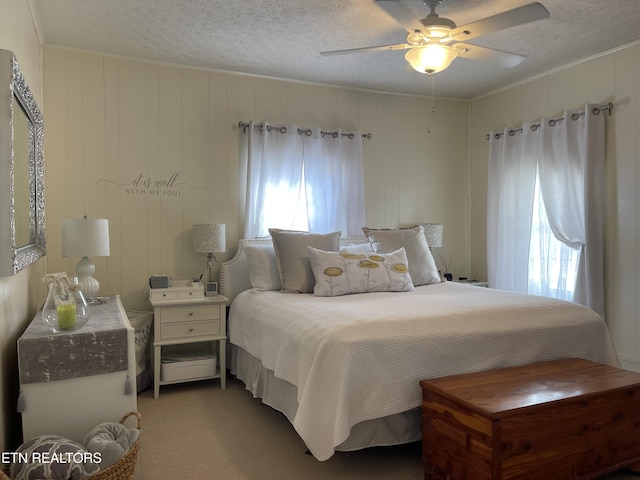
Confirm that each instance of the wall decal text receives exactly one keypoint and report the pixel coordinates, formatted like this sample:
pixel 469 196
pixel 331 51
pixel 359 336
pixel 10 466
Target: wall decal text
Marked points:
pixel 143 184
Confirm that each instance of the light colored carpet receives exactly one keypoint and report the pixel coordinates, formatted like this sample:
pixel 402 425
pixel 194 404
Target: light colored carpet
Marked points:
pixel 198 431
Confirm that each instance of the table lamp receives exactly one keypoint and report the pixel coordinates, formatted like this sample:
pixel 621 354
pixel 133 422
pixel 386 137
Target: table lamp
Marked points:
pixel 433 233
pixel 209 238
pixel 86 237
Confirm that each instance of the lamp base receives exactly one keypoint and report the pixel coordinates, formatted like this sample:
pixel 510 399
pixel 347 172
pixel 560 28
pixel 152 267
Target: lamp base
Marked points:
pixel 211 262
pixel 88 285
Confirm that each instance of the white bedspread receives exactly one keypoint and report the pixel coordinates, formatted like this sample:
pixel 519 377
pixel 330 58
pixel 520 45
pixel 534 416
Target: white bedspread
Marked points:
pixel 359 357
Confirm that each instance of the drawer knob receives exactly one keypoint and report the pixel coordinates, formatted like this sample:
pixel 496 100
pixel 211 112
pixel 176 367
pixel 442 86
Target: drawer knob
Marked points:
pixel 191 314
pixel 191 330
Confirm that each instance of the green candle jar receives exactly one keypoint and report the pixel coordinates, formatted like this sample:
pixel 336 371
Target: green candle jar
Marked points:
pixel 65 309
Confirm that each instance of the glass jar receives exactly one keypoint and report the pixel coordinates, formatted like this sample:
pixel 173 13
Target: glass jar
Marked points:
pixel 65 309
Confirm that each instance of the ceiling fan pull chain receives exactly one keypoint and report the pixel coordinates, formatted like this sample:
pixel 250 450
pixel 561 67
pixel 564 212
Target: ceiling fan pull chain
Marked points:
pixel 432 109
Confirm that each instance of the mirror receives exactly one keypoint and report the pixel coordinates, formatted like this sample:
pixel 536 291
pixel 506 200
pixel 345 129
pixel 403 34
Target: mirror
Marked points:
pixel 22 232
pixel 21 182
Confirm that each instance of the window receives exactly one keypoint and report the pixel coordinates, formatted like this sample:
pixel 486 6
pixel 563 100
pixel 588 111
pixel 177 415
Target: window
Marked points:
pixel 545 204
pixel 303 180
pixel 553 266
pixel 284 205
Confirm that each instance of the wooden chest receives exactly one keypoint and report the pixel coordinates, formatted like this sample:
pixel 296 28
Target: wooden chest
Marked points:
pixel 562 419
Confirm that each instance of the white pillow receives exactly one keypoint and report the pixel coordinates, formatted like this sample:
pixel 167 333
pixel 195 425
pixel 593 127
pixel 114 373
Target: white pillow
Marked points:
pixel 343 273
pixel 263 267
pixel 356 248
pixel 422 266
pixel 293 257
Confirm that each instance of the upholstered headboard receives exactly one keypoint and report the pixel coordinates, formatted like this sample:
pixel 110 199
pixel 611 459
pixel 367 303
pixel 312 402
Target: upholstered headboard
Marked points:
pixel 234 273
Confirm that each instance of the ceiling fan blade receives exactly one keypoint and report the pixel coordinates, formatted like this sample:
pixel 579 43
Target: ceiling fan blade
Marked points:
pixel 401 14
pixel 510 18
pixel 400 46
pixel 474 52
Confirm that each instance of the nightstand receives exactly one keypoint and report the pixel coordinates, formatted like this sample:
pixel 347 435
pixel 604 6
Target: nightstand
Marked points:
pixel 187 321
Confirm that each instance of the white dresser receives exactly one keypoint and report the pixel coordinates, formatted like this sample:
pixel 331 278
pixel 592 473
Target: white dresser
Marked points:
pixel 71 382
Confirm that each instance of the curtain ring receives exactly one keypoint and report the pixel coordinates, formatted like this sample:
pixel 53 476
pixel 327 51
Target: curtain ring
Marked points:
pixel 575 116
pixel 497 136
pixel 351 136
pixel 596 111
pixel 334 134
pixel 534 127
pixel 552 123
pixel 512 133
pixel 308 133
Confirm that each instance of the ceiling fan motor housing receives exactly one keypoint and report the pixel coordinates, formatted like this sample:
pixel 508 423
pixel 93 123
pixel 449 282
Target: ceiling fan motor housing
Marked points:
pixel 433 42
pixel 435 20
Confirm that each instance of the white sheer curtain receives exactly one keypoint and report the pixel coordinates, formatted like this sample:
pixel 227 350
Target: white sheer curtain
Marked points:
pixel 303 180
pixel 571 181
pixel 334 182
pixel 274 179
pixel 512 174
pixel 563 203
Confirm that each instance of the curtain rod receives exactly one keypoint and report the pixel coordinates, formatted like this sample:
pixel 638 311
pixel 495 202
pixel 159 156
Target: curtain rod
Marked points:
pixel 306 131
pixel 553 121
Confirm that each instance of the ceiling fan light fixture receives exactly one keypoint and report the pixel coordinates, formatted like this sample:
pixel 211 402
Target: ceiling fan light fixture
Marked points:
pixel 437 32
pixel 431 58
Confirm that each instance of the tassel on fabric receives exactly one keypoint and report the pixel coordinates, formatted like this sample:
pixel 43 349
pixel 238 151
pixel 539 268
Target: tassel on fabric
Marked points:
pixel 128 390
pixel 22 405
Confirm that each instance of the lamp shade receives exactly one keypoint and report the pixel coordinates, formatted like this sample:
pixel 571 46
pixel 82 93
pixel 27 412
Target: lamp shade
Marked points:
pixel 433 232
pixel 431 58
pixel 209 238
pixel 85 237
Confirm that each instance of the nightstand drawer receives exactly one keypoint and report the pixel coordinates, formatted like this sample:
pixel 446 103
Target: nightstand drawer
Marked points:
pixel 189 313
pixel 191 329
pixel 168 294
pixel 163 295
pixel 189 294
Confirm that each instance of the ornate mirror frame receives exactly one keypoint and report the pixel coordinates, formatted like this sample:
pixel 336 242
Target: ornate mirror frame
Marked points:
pixel 21 156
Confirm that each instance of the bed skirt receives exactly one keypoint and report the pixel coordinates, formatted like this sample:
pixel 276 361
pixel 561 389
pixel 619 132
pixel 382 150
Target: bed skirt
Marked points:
pixel 282 396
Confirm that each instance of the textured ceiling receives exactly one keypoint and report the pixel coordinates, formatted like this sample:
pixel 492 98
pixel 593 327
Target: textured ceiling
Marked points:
pixel 283 38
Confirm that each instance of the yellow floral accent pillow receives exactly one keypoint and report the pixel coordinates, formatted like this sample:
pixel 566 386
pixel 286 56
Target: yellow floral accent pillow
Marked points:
pixel 344 273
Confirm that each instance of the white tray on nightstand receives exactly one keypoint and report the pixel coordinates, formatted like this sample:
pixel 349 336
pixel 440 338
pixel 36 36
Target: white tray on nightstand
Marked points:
pixel 179 290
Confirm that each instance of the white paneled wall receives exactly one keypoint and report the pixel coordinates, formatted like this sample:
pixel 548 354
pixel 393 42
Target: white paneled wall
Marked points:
pixel 113 124
pixel 615 78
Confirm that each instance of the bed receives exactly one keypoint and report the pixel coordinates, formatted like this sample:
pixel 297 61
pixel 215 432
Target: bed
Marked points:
pixel 345 370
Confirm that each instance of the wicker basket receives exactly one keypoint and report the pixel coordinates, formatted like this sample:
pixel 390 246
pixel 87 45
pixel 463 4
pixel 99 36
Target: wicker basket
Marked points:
pixel 125 469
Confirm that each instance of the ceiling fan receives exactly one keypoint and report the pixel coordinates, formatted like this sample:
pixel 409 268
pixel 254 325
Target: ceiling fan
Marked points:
pixel 434 42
